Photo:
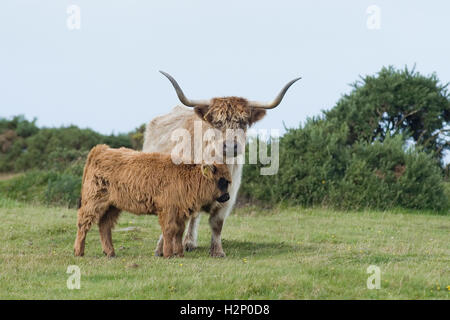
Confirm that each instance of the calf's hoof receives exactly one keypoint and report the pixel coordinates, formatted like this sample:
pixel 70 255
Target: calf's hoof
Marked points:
pixel 110 255
pixel 78 253
pixel 174 255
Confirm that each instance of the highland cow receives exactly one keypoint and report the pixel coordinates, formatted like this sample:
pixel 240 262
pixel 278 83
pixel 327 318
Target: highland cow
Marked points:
pixel 145 183
pixel 226 113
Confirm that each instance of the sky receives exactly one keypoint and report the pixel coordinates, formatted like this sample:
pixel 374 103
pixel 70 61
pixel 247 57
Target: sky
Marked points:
pixel 105 76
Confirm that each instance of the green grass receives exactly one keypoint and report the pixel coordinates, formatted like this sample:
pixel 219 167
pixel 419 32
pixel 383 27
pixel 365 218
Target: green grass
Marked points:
pixel 284 253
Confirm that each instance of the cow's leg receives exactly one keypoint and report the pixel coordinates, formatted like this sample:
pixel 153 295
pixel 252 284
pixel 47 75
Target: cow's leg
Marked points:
pixel 162 219
pixel 159 246
pixel 216 223
pixel 105 224
pixel 190 239
pixel 219 214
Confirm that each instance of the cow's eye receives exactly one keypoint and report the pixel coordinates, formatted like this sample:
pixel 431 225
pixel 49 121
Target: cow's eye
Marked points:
pixel 241 124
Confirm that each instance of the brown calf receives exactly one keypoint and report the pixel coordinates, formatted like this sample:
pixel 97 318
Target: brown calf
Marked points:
pixel 145 183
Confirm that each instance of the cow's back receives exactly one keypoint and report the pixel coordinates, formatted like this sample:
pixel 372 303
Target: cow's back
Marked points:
pixel 158 132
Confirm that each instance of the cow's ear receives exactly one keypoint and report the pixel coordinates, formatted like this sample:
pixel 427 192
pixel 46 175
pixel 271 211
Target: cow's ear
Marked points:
pixel 201 111
pixel 257 114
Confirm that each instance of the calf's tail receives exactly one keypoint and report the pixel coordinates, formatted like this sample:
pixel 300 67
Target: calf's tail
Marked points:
pixel 92 154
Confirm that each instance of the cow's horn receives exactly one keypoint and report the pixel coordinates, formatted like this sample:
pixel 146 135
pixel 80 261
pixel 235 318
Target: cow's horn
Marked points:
pixel 276 102
pixel 181 96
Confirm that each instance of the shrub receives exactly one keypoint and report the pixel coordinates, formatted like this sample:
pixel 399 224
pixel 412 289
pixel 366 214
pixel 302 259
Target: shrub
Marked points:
pixel 402 102
pixel 23 146
pixel 385 175
pixel 63 189
pixel 53 159
pixel 319 167
pixel 46 187
pixel 61 159
pixel 28 187
pixel 137 137
pixel 311 158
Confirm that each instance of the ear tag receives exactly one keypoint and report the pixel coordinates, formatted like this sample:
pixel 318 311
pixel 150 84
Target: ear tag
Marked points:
pixel 206 170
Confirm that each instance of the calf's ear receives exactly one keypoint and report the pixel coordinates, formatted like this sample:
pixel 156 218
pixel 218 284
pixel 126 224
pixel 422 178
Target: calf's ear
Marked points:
pixel 208 170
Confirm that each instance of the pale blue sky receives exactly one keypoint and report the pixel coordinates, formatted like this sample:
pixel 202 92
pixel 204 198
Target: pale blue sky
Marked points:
pixel 105 75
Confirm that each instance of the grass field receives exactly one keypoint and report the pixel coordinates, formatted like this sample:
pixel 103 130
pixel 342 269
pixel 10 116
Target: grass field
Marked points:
pixel 290 253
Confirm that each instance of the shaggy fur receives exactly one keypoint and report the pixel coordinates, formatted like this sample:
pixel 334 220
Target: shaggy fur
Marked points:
pixel 229 113
pixel 222 114
pixel 217 114
pixel 145 183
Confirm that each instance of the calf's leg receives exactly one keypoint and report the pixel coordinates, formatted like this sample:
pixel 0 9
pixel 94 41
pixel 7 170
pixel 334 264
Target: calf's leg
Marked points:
pixel 87 215
pixel 172 237
pixel 159 251
pixel 178 239
pixel 105 225
pixel 164 247
pixel 84 223
pixel 168 235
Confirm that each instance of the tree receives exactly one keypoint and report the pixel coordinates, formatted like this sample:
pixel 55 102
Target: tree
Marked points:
pixel 397 102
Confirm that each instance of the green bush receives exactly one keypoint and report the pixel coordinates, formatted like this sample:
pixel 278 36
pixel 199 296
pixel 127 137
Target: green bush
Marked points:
pixel 46 187
pixel 61 159
pixel 20 125
pixel 311 158
pixel 63 189
pixel 52 158
pixel 354 155
pixel 28 187
pixel 23 146
pixel 319 167
pixel 384 175
pixel 402 102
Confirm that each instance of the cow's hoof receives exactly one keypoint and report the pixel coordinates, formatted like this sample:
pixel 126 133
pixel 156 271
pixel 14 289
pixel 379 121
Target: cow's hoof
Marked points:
pixel 217 254
pixel 158 254
pixel 190 246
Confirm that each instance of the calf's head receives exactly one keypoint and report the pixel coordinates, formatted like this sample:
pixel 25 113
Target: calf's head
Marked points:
pixel 231 115
pixel 219 176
